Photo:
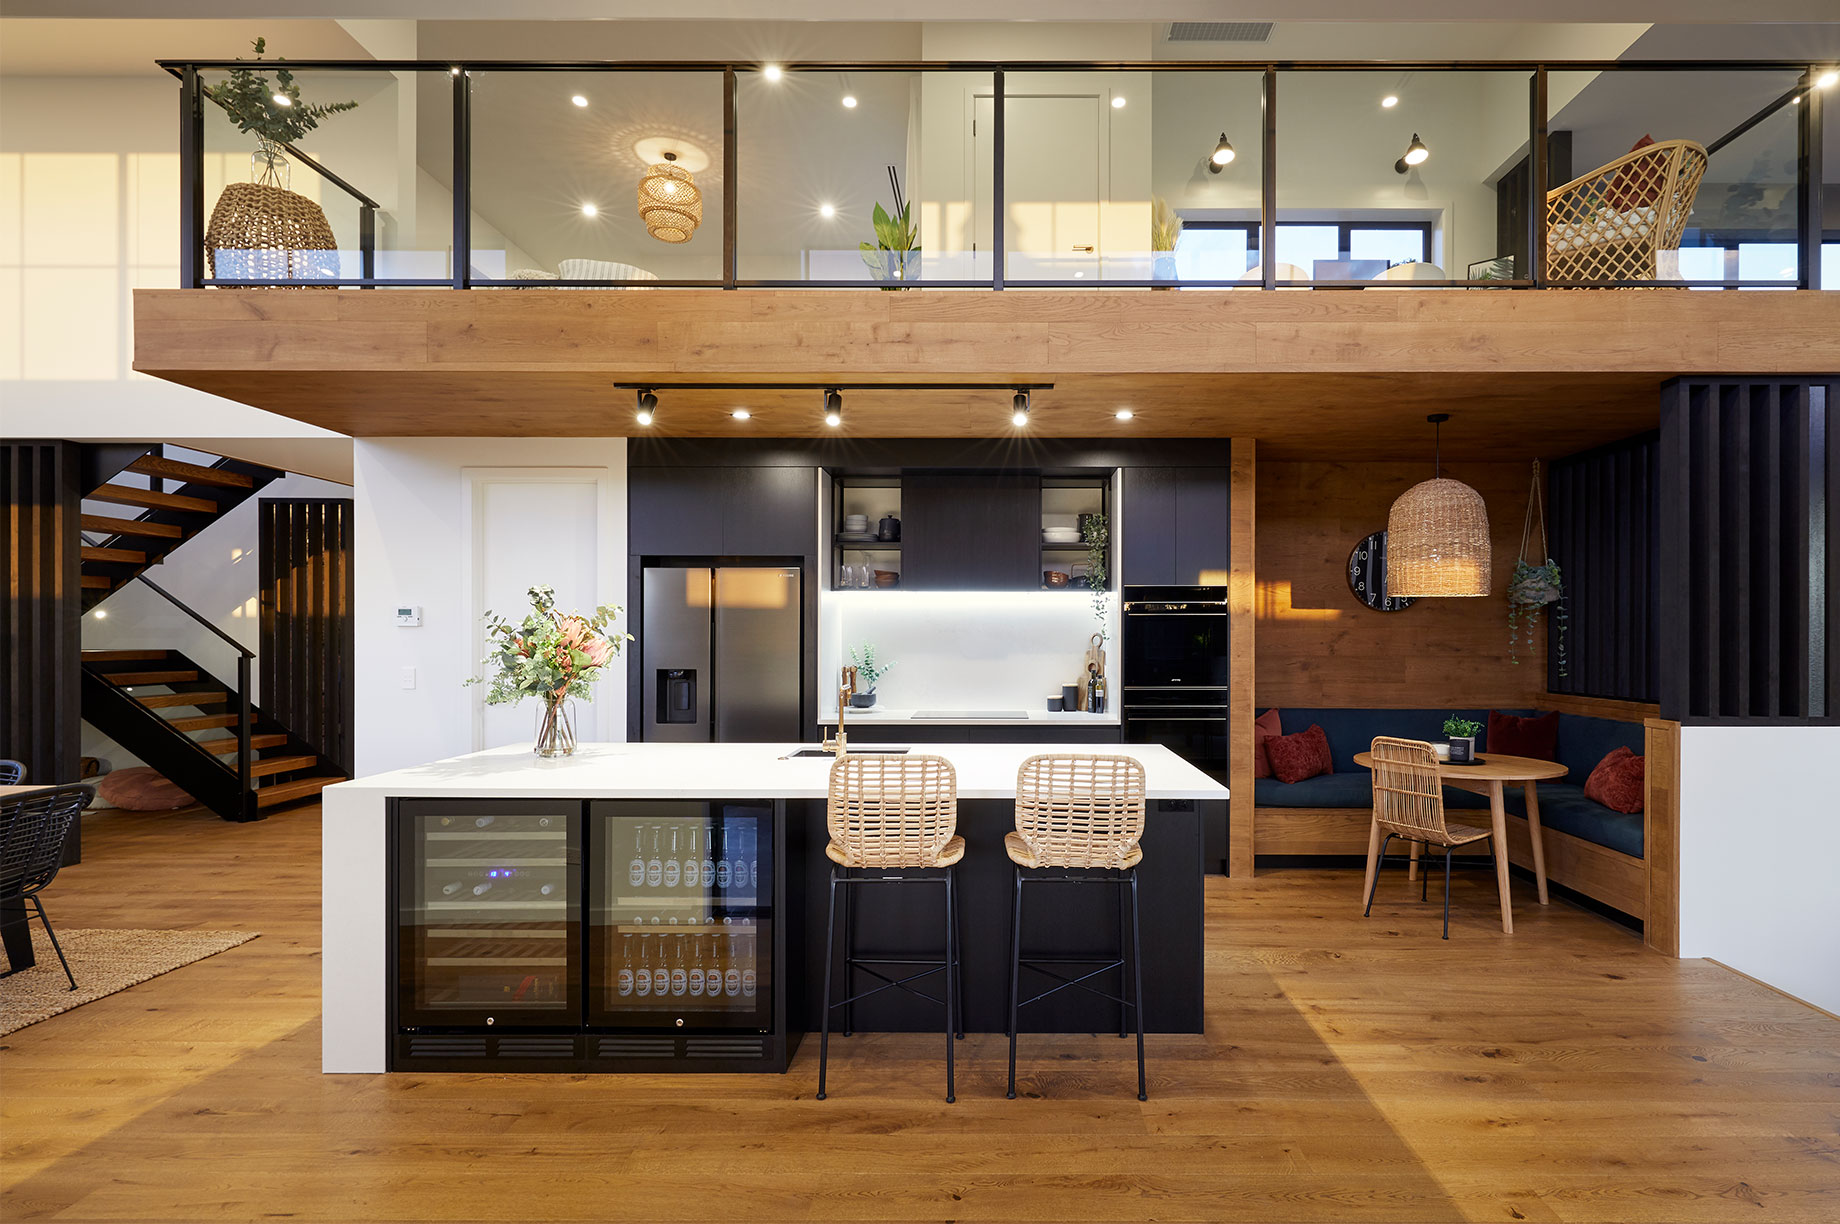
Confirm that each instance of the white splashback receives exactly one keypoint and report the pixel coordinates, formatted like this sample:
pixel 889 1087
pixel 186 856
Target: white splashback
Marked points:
pixel 959 650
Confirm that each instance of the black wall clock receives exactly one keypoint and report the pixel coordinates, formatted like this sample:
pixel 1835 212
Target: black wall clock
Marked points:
pixel 1367 575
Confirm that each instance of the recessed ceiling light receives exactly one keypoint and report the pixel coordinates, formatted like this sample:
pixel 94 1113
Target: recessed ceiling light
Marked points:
pixel 741 414
pixel 282 99
pixel 1124 414
pixel 1117 102
pixel 772 72
pixel 1390 101
pixel 1827 79
pixel 589 210
pixel 579 100
pixel 827 210
pixel 849 101
pixel 102 614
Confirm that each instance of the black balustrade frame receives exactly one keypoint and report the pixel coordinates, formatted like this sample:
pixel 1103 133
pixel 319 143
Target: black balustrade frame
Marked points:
pixel 192 100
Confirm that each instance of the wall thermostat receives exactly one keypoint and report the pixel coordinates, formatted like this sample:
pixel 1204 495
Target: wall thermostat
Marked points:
pixel 410 617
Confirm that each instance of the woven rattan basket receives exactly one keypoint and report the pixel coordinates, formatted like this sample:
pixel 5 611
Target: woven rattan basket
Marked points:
pixel 259 232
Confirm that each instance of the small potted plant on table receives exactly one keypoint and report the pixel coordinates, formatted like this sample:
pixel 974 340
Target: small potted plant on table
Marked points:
pixel 868 671
pixel 1461 736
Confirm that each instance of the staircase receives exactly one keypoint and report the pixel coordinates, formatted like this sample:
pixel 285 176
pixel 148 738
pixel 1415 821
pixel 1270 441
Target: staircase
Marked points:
pixel 180 500
pixel 183 721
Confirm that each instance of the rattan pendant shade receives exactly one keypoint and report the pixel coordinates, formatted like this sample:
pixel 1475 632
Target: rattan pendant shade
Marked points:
pixel 1437 541
pixel 669 202
pixel 263 232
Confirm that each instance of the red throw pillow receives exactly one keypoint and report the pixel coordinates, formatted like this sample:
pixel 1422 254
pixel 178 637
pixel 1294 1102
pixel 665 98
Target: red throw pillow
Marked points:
pixel 1299 756
pixel 1536 737
pixel 1264 727
pixel 1637 185
pixel 1617 782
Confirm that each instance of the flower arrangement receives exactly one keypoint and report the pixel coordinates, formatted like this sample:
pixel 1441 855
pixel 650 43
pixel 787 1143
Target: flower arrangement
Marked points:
pixel 552 656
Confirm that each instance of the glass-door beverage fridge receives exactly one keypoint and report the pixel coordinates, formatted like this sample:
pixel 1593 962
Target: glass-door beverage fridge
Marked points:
pixel 680 916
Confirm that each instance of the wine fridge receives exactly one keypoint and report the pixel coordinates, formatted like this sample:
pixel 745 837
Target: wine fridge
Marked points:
pixel 589 935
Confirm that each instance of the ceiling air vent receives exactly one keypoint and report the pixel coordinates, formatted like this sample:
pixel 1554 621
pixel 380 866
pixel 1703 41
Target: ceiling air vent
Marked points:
pixel 1220 31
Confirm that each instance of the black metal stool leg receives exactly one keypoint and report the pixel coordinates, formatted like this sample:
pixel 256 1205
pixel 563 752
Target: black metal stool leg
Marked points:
pixel 849 952
pixel 951 981
pixel 1424 884
pixel 1137 987
pixel 830 955
pixel 1447 850
pixel 958 952
pixel 1015 973
pixel 55 946
pixel 1124 965
pixel 1379 866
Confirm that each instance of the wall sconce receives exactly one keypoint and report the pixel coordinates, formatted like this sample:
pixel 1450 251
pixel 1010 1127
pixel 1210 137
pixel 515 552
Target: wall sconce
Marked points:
pixel 1415 154
pixel 1222 154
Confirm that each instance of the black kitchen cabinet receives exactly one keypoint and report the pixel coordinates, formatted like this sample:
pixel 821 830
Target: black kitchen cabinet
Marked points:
pixel 970 530
pixel 1176 526
pixel 723 511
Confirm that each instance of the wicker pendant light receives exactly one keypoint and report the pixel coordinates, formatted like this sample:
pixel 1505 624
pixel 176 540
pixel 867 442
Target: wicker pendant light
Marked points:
pixel 669 202
pixel 1437 539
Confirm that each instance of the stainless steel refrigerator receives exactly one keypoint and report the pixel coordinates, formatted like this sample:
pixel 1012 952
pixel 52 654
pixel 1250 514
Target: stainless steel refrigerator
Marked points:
pixel 720 654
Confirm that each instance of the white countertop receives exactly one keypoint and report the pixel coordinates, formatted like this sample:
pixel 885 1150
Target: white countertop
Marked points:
pixel 733 771
pixel 1034 717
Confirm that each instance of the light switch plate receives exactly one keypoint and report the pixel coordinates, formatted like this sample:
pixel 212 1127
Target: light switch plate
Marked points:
pixel 408 677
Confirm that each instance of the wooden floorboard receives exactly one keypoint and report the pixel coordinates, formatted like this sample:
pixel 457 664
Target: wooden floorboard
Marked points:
pixel 1352 1071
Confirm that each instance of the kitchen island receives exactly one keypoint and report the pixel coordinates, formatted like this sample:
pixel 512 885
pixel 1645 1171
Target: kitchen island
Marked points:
pixel 489 911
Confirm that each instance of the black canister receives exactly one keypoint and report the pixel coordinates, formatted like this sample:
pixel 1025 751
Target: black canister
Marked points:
pixel 889 529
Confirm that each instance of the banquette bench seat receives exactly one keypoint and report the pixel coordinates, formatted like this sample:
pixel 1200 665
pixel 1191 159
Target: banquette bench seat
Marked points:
pixel 1590 848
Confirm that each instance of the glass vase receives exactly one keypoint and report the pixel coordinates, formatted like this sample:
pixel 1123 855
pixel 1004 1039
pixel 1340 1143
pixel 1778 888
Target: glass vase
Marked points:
pixel 268 165
pixel 555 727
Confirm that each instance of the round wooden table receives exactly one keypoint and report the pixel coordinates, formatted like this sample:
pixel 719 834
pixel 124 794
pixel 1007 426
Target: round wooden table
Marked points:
pixel 1491 772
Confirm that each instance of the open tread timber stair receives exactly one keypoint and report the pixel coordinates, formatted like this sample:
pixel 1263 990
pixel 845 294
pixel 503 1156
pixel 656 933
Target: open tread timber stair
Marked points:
pixel 177 499
pixel 127 695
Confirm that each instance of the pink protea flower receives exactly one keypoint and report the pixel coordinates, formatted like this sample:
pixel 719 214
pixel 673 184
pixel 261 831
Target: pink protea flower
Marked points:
pixel 599 652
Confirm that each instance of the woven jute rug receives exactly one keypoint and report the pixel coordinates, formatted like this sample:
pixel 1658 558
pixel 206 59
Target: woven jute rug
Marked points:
pixel 104 962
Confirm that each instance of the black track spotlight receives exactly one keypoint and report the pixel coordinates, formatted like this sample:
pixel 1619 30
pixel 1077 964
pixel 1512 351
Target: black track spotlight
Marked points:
pixel 1019 409
pixel 1222 156
pixel 1415 154
pixel 648 407
pixel 833 407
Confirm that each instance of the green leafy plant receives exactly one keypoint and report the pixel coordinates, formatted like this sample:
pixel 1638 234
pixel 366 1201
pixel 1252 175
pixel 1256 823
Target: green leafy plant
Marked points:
pixel 1460 728
pixel 1529 591
pixel 1499 268
pixel 895 253
pixel 548 654
pixel 255 104
pixel 868 668
pixel 1096 532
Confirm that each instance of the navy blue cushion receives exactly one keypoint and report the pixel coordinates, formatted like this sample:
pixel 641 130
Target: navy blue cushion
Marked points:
pixel 1353 789
pixel 1585 742
pixel 1564 807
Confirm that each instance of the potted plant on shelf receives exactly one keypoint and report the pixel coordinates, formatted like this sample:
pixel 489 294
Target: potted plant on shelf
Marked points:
pixel 1165 229
pixel 553 657
pixel 895 253
pixel 1460 733
pixel 868 671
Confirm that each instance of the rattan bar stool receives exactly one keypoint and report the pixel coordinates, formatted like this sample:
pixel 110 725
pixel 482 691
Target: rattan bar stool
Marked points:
pixel 1409 805
pixel 1079 820
pixel 893 820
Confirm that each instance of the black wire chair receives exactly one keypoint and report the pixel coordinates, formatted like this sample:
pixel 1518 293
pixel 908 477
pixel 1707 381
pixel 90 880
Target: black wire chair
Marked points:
pixel 12 773
pixel 33 827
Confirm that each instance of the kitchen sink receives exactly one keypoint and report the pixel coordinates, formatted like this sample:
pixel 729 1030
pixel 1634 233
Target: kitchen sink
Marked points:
pixel 824 752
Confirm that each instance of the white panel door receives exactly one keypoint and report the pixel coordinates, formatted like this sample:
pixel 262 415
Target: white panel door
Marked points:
pixel 1052 186
pixel 531 530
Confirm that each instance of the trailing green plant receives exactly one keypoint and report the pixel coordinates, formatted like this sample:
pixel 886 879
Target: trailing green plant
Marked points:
pixel 1096 533
pixel 548 654
pixel 869 669
pixel 254 103
pixel 895 253
pixel 1460 728
pixel 1530 589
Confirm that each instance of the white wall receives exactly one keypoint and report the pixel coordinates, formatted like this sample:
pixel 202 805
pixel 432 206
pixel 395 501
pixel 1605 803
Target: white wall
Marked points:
pixel 1760 855
pixel 415 544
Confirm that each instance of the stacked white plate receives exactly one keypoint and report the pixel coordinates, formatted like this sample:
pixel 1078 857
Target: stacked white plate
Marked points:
pixel 855 524
pixel 1060 535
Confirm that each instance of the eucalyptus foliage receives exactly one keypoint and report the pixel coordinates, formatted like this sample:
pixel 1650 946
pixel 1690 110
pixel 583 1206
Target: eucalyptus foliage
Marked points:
pixel 249 97
pixel 548 654
pixel 1096 531
pixel 869 669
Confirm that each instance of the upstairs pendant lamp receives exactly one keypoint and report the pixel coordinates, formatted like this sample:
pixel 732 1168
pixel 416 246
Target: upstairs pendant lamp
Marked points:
pixel 669 202
pixel 1437 538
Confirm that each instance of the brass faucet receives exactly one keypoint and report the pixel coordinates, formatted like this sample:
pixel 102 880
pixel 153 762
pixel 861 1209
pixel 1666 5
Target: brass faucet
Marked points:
pixel 846 690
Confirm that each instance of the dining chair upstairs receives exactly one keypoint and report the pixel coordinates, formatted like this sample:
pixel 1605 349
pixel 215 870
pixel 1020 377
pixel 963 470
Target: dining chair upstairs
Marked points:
pixel 12 773
pixel 33 827
pixel 1409 805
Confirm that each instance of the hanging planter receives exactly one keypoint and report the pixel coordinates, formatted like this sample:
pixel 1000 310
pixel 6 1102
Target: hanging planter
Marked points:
pixel 1534 585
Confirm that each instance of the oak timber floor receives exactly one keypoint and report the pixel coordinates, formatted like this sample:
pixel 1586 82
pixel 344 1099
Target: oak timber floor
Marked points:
pixel 1353 1070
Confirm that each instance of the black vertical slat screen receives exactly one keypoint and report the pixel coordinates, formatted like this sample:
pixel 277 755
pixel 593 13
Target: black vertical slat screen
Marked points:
pixel 307 629
pixel 1602 529
pixel 41 667
pixel 1748 502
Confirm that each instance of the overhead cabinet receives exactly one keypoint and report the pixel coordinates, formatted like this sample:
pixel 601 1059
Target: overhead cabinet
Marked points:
pixel 1176 526
pixel 723 511
pixel 970 530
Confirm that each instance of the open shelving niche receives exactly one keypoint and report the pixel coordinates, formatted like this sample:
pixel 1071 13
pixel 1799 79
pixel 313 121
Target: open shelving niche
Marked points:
pixel 1064 499
pixel 877 497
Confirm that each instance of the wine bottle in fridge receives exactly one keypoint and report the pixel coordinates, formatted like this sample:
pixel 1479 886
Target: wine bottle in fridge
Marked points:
pixel 696 964
pixel 654 866
pixel 661 973
pixel 635 870
pixel 709 865
pixel 626 976
pixel 724 869
pixel 693 864
pixel 673 866
pixel 642 980
pixel 680 972
pixel 731 974
pixel 748 980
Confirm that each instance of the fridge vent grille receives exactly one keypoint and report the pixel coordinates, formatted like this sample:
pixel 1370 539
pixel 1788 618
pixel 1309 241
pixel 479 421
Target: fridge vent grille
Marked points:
pixel 536 1047
pixel 447 1047
pixel 638 1047
pixel 724 1047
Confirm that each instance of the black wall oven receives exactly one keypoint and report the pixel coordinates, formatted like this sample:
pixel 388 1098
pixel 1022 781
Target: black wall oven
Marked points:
pixel 1176 669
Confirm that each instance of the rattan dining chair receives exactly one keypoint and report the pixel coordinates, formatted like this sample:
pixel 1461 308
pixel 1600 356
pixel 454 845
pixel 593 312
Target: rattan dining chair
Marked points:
pixel 1080 820
pixel 893 820
pixel 1409 805
pixel 1610 224
pixel 33 827
pixel 12 772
